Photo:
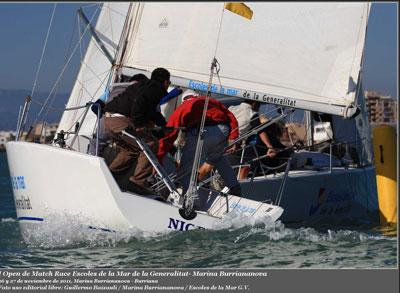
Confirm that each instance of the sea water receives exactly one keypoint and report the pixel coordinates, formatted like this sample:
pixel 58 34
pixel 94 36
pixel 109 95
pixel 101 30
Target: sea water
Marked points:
pixel 234 245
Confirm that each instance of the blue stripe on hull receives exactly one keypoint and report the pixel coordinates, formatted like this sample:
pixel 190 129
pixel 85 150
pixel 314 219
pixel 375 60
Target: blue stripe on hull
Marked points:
pixel 30 219
pixel 102 229
pixel 41 220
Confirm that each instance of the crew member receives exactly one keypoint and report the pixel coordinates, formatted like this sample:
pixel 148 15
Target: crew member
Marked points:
pixel 108 97
pixel 221 127
pixel 246 114
pixel 135 110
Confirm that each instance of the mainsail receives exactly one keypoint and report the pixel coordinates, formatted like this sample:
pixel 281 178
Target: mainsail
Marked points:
pixel 95 68
pixel 302 55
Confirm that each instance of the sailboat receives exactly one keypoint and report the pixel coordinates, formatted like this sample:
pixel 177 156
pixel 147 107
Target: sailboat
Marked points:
pixel 62 181
pixel 296 56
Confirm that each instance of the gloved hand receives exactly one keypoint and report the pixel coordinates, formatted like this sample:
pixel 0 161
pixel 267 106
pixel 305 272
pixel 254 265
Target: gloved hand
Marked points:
pixel 172 94
pixel 98 106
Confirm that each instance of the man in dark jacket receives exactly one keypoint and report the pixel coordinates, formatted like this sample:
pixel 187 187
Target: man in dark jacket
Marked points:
pixel 136 109
pixel 109 95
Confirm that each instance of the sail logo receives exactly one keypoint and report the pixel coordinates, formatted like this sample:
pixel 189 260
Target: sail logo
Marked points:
pixel 23 203
pixel 278 100
pixel 242 208
pixel 201 86
pixel 179 225
pixel 163 23
pixel 18 182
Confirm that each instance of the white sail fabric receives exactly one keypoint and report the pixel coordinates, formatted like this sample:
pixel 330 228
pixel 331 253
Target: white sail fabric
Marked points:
pixel 300 53
pixel 95 68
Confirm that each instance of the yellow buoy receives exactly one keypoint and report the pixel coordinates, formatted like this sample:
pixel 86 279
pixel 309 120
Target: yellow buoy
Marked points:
pixel 385 153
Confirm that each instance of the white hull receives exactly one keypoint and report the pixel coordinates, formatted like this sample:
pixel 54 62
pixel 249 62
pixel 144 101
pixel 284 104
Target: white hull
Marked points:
pixel 52 184
pixel 312 196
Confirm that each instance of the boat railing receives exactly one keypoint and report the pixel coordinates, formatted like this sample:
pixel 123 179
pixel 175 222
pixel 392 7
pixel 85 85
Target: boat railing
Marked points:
pixel 265 169
pixel 261 127
pixel 154 162
pixel 331 160
pixel 167 180
pixel 98 127
pixel 79 124
pixel 22 117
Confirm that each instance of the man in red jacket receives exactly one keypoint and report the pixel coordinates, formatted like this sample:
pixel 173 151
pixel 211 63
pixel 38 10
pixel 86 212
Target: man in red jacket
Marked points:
pixel 221 127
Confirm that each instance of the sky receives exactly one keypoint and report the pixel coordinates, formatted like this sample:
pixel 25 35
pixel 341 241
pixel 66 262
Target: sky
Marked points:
pixel 23 28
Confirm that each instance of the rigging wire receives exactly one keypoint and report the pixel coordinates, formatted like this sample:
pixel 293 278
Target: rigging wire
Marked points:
pixel 188 201
pixel 65 60
pixel 43 50
pixel 61 109
pixel 65 67
pixel 22 123
pixel 79 36
pixel 219 29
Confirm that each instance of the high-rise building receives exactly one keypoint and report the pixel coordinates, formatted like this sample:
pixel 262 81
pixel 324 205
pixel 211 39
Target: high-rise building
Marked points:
pixel 381 109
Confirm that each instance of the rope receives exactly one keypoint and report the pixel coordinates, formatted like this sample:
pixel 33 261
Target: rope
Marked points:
pixel 63 109
pixel 217 65
pixel 219 29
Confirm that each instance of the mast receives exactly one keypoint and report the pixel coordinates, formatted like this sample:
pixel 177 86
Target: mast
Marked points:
pixel 123 42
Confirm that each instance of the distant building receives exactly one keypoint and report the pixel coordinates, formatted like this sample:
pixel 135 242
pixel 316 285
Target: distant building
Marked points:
pixel 42 133
pixel 322 131
pixel 381 109
pixel 6 136
pixel 294 132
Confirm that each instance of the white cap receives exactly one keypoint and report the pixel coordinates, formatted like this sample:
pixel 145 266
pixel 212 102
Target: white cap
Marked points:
pixel 189 92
